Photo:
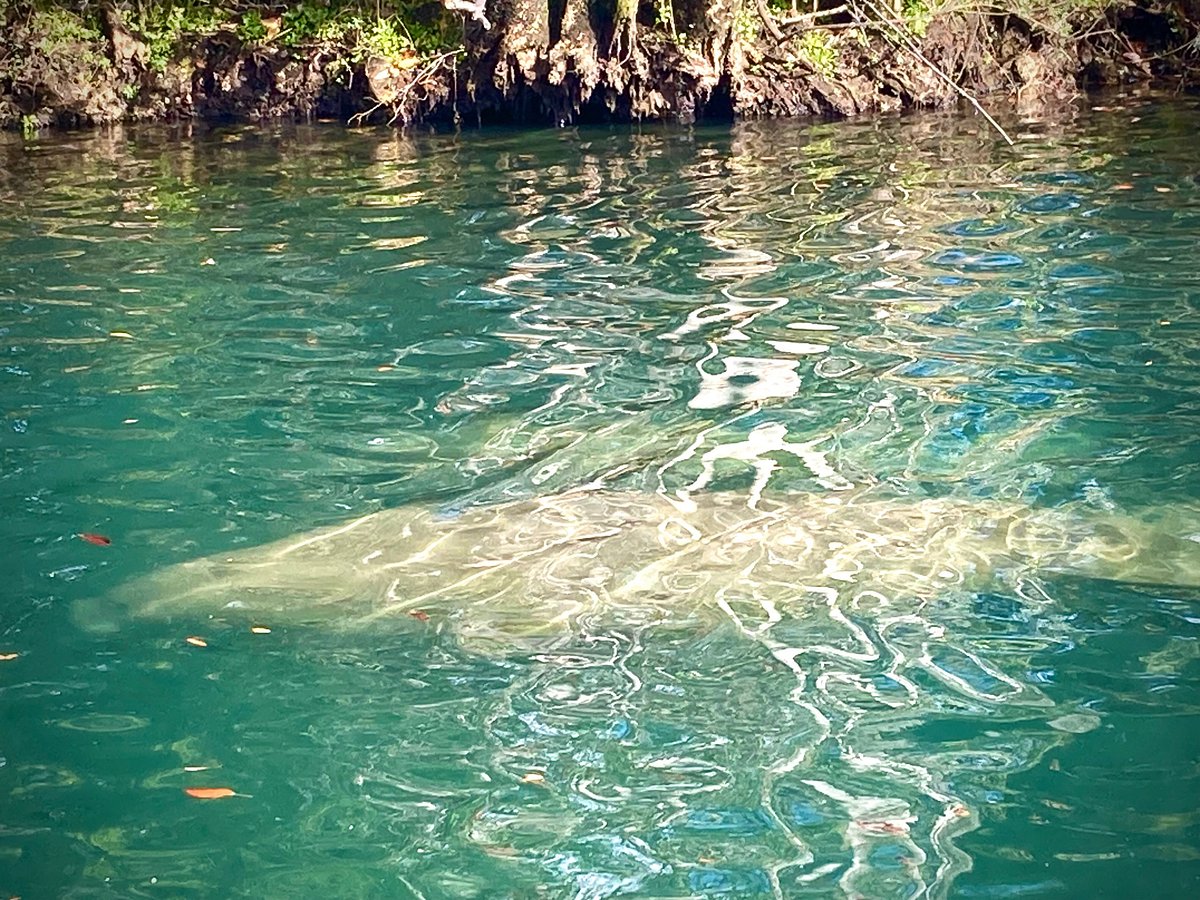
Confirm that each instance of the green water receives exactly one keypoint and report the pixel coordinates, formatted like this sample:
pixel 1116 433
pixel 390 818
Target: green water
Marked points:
pixel 215 340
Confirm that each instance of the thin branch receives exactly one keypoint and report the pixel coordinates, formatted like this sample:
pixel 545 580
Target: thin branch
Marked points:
pixel 768 20
pixel 359 117
pixel 430 68
pixel 915 51
pixel 810 18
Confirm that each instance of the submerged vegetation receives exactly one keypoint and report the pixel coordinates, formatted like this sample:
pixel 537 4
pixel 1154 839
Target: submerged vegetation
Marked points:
pixel 560 60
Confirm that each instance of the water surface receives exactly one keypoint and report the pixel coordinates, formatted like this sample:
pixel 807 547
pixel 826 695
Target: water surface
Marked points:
pixel 217 339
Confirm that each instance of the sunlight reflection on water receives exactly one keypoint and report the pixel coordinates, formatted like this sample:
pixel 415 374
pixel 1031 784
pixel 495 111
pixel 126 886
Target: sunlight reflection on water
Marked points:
pixel 793 644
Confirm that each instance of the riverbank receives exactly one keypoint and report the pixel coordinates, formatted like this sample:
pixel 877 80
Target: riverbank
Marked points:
pixel 520 61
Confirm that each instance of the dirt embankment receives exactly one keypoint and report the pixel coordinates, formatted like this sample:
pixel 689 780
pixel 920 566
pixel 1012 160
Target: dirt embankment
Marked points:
pixel 561 61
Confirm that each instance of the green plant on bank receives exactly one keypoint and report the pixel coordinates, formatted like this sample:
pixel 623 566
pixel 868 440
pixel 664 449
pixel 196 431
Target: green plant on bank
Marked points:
pixel 58 50
pixel 310 22
pixel 916 15
pixel 251 29
pixel 387 38
pixel 664 13
pixel 67 38
pixel 29 126
pixel 747 24
pixel 165 24
pixel 817 48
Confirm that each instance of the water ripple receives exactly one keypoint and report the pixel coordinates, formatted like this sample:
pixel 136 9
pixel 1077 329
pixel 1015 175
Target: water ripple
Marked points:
pixel 217 339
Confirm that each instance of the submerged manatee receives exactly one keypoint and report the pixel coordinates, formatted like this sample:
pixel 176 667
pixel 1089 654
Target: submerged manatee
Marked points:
pixel 534 569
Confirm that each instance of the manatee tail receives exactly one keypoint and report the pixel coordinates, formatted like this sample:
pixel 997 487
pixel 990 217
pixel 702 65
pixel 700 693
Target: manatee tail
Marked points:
pixel 1160 546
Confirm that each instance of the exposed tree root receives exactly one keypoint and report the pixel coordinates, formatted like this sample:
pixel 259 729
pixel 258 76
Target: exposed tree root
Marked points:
pixel 563 61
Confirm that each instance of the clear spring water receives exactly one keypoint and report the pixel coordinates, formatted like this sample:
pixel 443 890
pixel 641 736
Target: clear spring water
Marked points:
pixel 215 340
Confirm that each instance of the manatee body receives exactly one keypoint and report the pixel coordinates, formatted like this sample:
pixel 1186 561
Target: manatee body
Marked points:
pixel 540 567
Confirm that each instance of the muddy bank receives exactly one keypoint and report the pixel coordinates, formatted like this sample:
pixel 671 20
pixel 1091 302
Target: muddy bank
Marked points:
pixel 564 61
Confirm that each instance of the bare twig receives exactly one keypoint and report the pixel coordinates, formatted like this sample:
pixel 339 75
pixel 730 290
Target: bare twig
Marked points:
pixel 426 71
pixel 359 117
pixel 811 17
pixel 779 28
pixel 428 67
pixel 768 20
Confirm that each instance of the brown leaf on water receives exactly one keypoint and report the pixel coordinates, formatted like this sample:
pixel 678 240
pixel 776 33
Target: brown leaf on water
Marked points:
pixel 196 641
pixel 210 793
pixel 259 629
pixel 1123 186
pixel 92 538
pixel 420 615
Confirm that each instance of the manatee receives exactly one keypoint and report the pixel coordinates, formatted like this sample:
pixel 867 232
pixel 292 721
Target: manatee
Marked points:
pixel 528 571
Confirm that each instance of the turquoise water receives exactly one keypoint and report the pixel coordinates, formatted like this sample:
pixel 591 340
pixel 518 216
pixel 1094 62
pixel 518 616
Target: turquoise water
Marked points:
pixel 220 339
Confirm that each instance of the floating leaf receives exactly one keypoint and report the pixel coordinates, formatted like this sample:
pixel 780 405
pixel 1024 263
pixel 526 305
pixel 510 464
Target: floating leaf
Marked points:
pixel 209 262
pixel 196 641
pixel 1075 723
pixel 195 768
pixel 92 538
pixel 384 368
pixel 121 334
pixel 6 657
pixel 1086 857
pixel 259 629
pixel 216 793
pixel 533 778
pixel 1123 186
pixel 420 615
